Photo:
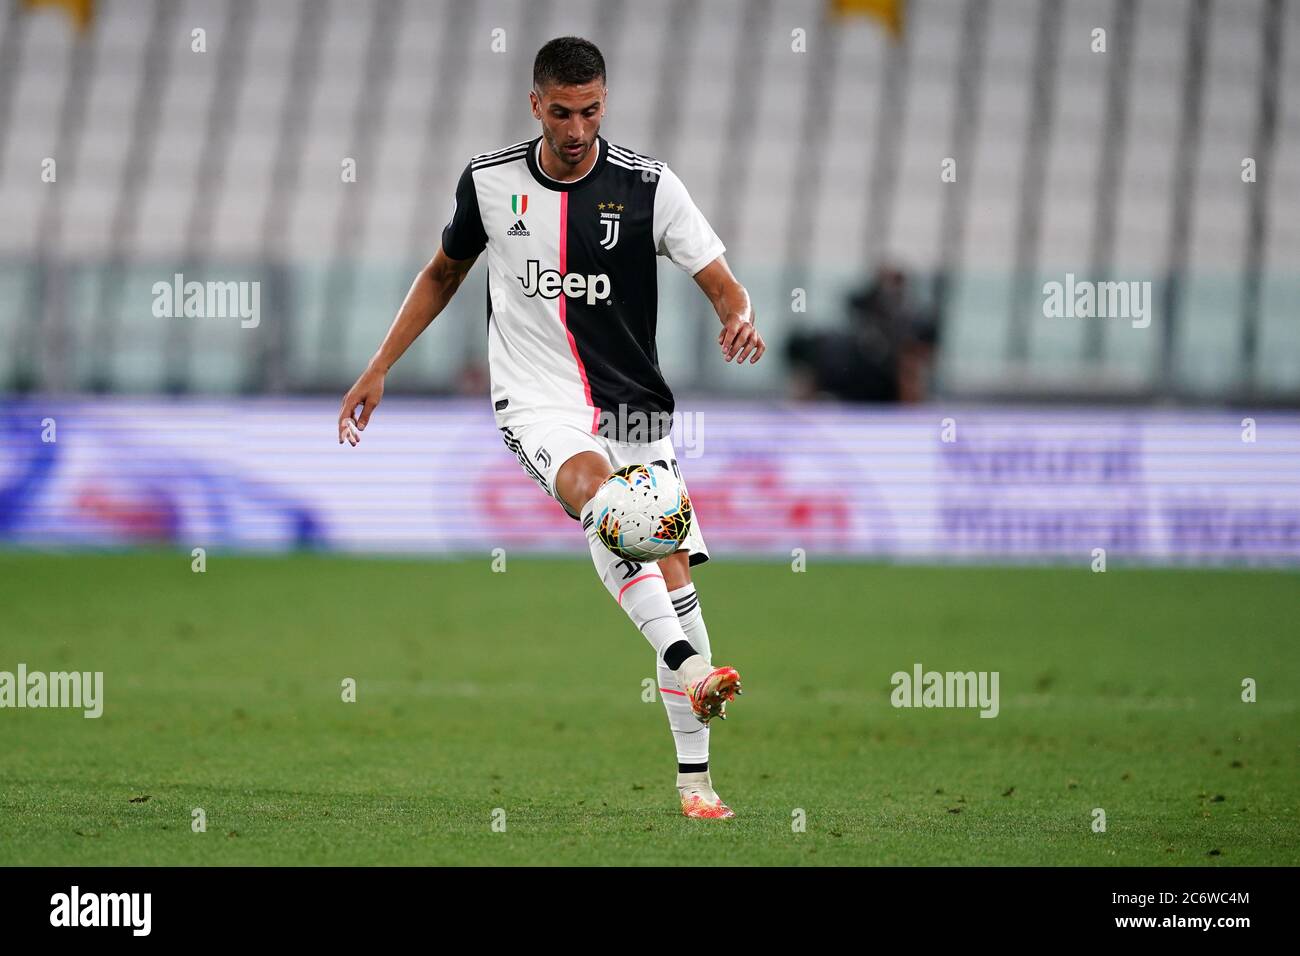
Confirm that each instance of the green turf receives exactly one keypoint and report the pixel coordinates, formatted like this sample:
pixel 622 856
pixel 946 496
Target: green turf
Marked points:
pixel 522 691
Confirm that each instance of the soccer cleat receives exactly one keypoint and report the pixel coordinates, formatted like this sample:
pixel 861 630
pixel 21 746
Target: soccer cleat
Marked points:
pixel 699 801
pixel 709 695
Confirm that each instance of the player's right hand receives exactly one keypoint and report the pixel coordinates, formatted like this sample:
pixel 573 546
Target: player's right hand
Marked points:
pixel 366 394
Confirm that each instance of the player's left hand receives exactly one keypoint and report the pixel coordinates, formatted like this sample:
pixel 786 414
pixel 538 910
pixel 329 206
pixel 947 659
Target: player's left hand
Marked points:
pixel 739 338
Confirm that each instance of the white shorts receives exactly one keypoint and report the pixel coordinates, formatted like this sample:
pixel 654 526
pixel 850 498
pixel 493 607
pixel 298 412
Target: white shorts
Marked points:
pixel 543 447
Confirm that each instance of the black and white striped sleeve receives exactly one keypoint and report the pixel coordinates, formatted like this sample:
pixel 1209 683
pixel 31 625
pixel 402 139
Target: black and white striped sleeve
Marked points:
pixel 680 230
pixel 463 237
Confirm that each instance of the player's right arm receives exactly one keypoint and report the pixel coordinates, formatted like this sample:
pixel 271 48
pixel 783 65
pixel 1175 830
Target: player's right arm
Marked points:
pixel 462 241
pixel 428 296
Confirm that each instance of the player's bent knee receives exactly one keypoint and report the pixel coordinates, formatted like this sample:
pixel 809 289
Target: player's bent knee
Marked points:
pixel 580 477
pixel 676 569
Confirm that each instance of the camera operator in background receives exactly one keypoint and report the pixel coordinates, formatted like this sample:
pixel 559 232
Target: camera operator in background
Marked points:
pixel 885 355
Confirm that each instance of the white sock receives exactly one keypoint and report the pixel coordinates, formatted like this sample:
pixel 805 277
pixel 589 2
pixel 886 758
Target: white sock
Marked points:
pixel 691 736
pixel 687 605
pixel 640 591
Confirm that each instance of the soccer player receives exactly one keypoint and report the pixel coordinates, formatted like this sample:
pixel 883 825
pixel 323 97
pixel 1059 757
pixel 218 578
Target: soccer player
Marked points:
pixel 571 225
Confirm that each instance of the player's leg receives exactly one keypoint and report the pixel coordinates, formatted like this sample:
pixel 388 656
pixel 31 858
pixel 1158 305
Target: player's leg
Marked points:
pixel 709 698
pixel 564 463
pixel 692 736
pixel 638 588
pixel 690 733
pixel 694 780
pixel 570 465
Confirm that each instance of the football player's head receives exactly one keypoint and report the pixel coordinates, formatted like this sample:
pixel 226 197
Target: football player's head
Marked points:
pixel 568 96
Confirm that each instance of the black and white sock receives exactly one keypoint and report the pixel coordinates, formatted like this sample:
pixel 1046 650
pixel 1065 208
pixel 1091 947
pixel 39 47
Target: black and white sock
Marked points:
pixel 691 736
pixel 640 591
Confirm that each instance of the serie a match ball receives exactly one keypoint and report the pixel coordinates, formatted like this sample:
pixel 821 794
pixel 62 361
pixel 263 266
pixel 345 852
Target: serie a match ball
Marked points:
pixel 642 512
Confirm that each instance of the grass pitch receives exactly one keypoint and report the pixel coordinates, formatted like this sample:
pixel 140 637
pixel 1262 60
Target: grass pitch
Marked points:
pixel 522 691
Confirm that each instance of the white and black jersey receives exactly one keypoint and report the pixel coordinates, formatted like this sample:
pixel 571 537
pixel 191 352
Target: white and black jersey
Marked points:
pixel 572 292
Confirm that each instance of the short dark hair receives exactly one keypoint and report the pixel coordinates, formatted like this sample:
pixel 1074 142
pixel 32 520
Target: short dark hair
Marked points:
pixel 567 61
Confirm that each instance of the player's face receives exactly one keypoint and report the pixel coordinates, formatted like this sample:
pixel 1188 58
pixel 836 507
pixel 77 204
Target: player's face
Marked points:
pixel 570 117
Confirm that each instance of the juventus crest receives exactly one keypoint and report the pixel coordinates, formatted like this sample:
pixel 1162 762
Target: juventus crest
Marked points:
pixel 610 214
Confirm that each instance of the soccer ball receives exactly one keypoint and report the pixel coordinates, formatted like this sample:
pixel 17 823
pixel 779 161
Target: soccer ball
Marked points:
pixel 642 512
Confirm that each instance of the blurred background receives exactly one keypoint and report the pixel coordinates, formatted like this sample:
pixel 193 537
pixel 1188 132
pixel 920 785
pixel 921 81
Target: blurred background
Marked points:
pixel 896 183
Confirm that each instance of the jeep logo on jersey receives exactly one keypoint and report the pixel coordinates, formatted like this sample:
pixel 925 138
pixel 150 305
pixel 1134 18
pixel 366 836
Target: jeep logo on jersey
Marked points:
pixel 575 285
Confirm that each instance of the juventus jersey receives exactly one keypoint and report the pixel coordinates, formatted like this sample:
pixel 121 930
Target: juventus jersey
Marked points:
pixel 572 292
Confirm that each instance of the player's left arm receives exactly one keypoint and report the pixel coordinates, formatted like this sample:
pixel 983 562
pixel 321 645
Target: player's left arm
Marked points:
pixel 739 336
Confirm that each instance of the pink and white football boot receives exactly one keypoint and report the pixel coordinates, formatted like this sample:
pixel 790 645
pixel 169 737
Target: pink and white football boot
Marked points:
pixel 699 799
pixel 710 694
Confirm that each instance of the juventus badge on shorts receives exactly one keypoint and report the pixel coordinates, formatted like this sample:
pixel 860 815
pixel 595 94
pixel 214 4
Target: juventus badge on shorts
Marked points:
pixel 609 217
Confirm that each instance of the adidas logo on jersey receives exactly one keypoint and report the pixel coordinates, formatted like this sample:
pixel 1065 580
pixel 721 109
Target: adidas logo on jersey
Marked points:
pixel 518 229
pixel 550 283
